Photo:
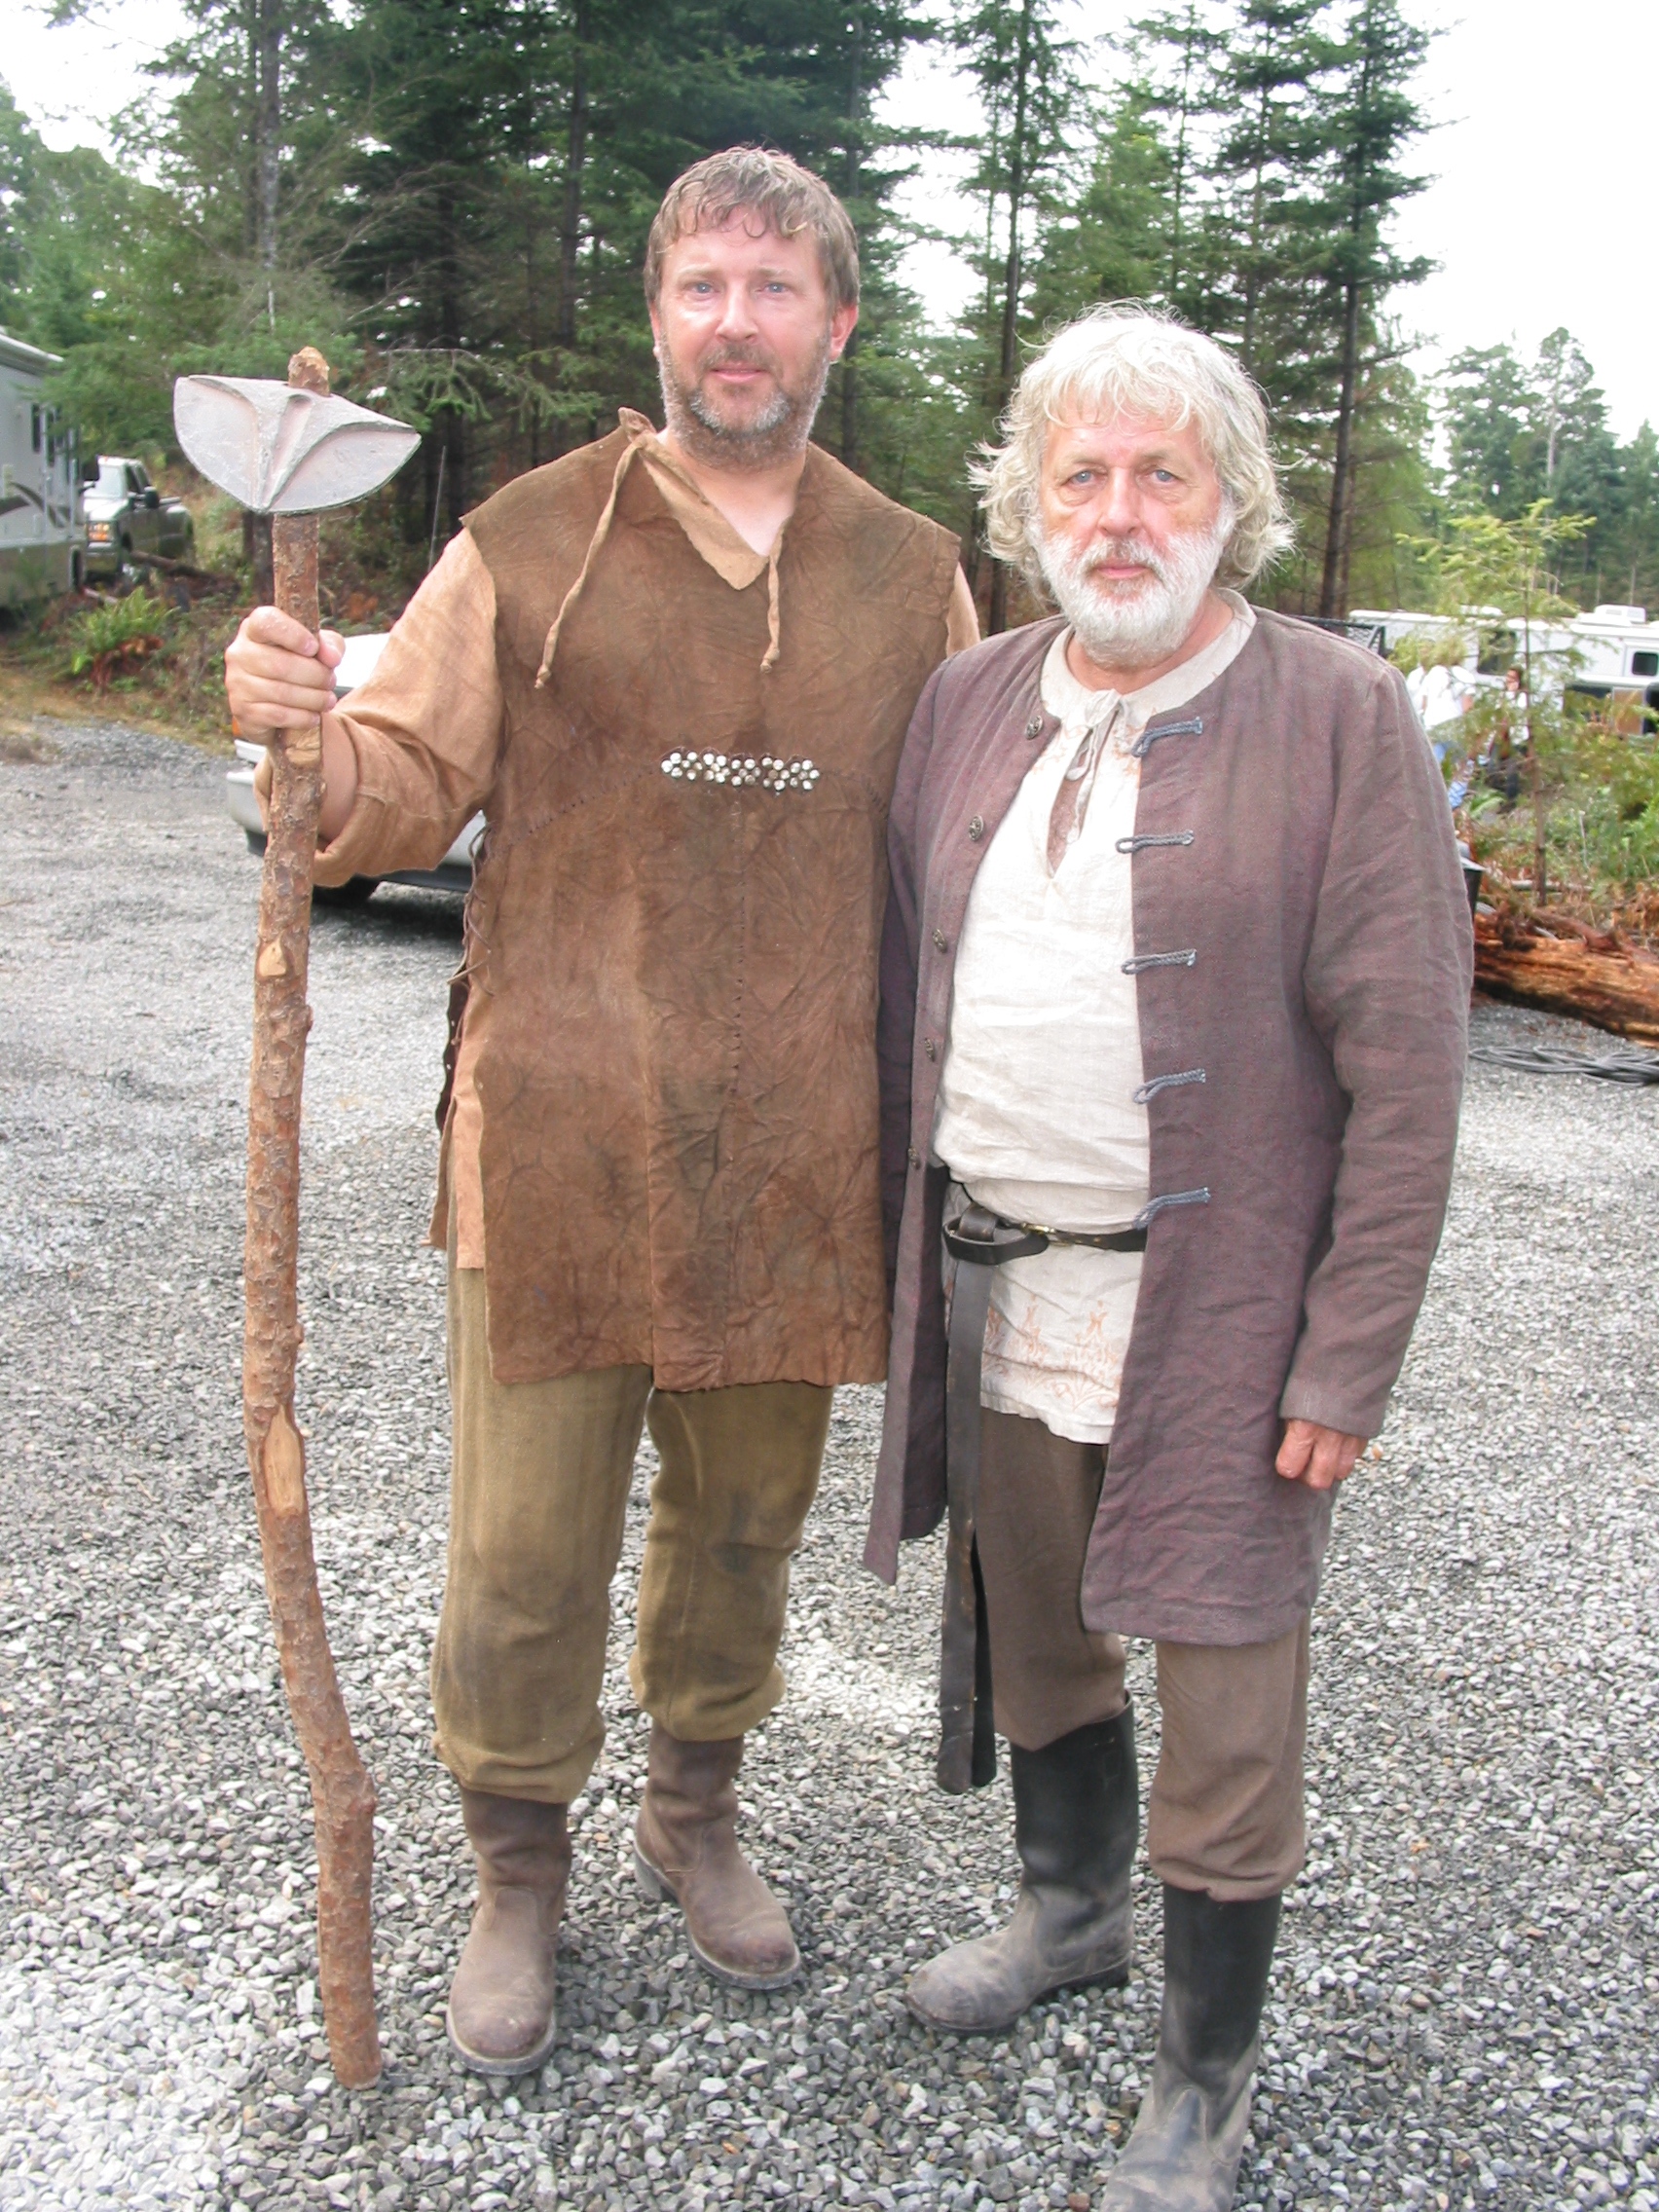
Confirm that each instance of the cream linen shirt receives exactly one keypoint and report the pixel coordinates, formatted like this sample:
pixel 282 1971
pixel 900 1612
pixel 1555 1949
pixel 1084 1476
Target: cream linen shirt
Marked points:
pixel 438 674
pixel 1037 1117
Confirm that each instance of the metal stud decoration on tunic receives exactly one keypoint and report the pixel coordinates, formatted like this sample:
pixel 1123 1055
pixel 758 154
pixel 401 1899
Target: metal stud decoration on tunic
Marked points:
pixel 740 769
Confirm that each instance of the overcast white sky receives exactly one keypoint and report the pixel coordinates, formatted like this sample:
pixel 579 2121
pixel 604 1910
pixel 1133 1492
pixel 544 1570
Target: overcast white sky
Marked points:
pixel 1545 164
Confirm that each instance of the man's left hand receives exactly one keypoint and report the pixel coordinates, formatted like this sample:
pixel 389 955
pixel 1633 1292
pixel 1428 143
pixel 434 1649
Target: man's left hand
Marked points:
pixel 1317 1456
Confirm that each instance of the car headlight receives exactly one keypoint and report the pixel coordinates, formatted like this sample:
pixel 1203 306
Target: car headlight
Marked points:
pixel 97 533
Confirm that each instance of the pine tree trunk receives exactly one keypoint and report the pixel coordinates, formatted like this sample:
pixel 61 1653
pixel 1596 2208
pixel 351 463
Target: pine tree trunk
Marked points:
pixel 1178 180
pixel 250 164
pixel 1540 839
pixel 575 160
pixel 448 421
pixel 268 129
pixel 1342 468
pixel 1253 260
pixel 849 357
pixel 997 620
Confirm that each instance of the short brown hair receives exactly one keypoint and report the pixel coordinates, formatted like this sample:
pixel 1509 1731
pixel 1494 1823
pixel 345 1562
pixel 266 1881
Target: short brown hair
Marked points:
pixel 753 180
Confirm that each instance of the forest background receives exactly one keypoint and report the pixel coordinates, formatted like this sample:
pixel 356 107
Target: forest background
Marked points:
pixel 451 197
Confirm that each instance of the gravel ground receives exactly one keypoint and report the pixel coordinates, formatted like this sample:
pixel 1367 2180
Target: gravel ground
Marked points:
pixel 1461 2013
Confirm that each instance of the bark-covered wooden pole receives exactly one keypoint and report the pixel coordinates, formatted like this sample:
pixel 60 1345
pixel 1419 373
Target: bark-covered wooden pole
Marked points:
pixel 343 1792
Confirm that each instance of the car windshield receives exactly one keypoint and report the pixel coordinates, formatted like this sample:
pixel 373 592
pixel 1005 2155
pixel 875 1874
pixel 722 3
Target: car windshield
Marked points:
pixel 112 480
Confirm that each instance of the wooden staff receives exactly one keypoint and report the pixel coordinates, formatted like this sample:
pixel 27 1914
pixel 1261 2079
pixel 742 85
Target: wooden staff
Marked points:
pixel 342 1792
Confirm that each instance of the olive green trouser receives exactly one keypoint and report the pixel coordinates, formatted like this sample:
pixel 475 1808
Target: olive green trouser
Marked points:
pixel 1225 1814
pixel 538 1496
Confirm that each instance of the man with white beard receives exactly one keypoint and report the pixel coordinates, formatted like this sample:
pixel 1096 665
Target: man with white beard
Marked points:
pixel 1174 992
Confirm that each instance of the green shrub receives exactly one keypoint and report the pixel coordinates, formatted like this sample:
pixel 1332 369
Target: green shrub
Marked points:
pixel 117 635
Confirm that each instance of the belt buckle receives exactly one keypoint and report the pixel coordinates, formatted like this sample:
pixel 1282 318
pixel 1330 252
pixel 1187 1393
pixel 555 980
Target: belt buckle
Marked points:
pixel 997 1240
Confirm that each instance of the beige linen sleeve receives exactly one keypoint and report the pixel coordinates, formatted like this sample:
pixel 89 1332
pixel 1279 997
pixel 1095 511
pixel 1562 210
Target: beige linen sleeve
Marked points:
pixel 425 727
pixel 962 618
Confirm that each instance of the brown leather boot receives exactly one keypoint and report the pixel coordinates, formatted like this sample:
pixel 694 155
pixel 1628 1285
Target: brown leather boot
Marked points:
pixel 685 1850
pixel 501 2005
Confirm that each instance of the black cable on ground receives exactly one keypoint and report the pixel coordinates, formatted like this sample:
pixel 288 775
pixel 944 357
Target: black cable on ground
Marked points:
pixel 1546 1059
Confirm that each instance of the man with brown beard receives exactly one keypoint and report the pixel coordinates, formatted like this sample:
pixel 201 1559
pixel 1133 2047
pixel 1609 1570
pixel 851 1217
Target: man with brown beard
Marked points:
pixel 675 670
pixel 1174 992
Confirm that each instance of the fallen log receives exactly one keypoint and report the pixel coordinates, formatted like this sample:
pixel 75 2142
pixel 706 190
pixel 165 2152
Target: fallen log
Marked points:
pixel 1590 976
pixel 186 571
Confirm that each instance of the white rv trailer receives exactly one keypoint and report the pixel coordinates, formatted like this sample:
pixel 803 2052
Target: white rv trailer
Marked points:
pixel 1616 656
pixel 1613 650
pixel 42 540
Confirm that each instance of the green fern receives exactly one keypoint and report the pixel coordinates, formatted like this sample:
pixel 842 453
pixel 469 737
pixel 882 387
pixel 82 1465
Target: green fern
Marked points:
pixel 120 633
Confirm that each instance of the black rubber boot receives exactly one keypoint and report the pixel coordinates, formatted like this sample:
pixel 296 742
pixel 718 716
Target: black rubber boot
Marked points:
pixel 1077 1815
pixel 1183 2154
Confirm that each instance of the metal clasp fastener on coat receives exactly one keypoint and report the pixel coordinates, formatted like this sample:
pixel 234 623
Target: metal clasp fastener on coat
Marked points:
pixel 1142 960
pixel 1150 1212
pixel 1148 738
pixel 1166 1082
pixel 1139 843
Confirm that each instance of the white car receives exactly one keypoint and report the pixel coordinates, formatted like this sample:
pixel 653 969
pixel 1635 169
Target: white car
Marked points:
pixel 454 873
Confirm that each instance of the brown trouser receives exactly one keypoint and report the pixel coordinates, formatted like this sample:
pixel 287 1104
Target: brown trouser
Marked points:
pixel 1225 1814
pixel 538 1496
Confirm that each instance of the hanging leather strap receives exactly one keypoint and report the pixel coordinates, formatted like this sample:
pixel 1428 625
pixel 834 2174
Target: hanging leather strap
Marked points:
pixel 979 1240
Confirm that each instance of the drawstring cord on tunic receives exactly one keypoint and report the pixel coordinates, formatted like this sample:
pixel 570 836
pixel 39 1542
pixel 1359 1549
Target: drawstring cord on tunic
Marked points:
pixel 601 532
pixel 637 443
pixel 1085 763
pixel 769 658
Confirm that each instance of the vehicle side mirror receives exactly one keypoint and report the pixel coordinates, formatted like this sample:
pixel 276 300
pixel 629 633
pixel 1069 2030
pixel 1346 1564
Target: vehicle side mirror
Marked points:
pixel 88 473
pixel 152 497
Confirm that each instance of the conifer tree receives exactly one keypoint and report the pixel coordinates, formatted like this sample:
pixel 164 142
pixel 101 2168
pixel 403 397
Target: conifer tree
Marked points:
pixel 1114 235
pixel 1025 69
pixel 1368 119
pixel 1266 83
pixel 1185 95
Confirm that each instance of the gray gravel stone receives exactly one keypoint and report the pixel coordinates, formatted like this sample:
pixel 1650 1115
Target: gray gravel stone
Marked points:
pixel 1461 2012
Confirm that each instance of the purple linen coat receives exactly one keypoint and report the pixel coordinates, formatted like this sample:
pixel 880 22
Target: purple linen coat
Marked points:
pixel 1293 839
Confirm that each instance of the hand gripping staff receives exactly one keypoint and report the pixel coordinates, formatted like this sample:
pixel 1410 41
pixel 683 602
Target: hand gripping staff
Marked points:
pixel 287 451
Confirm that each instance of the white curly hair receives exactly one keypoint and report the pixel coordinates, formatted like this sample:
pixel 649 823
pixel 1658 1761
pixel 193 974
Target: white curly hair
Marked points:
pixel 1126 358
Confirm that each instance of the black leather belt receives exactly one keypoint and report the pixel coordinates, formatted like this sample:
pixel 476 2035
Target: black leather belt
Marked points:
pixel 979 1240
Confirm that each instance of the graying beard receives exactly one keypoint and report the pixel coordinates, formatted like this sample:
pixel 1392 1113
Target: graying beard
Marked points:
pixel 771 419
pixel 781 431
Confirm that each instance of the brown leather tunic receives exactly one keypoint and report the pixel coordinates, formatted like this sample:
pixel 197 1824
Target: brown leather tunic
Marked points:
pixel 677 919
